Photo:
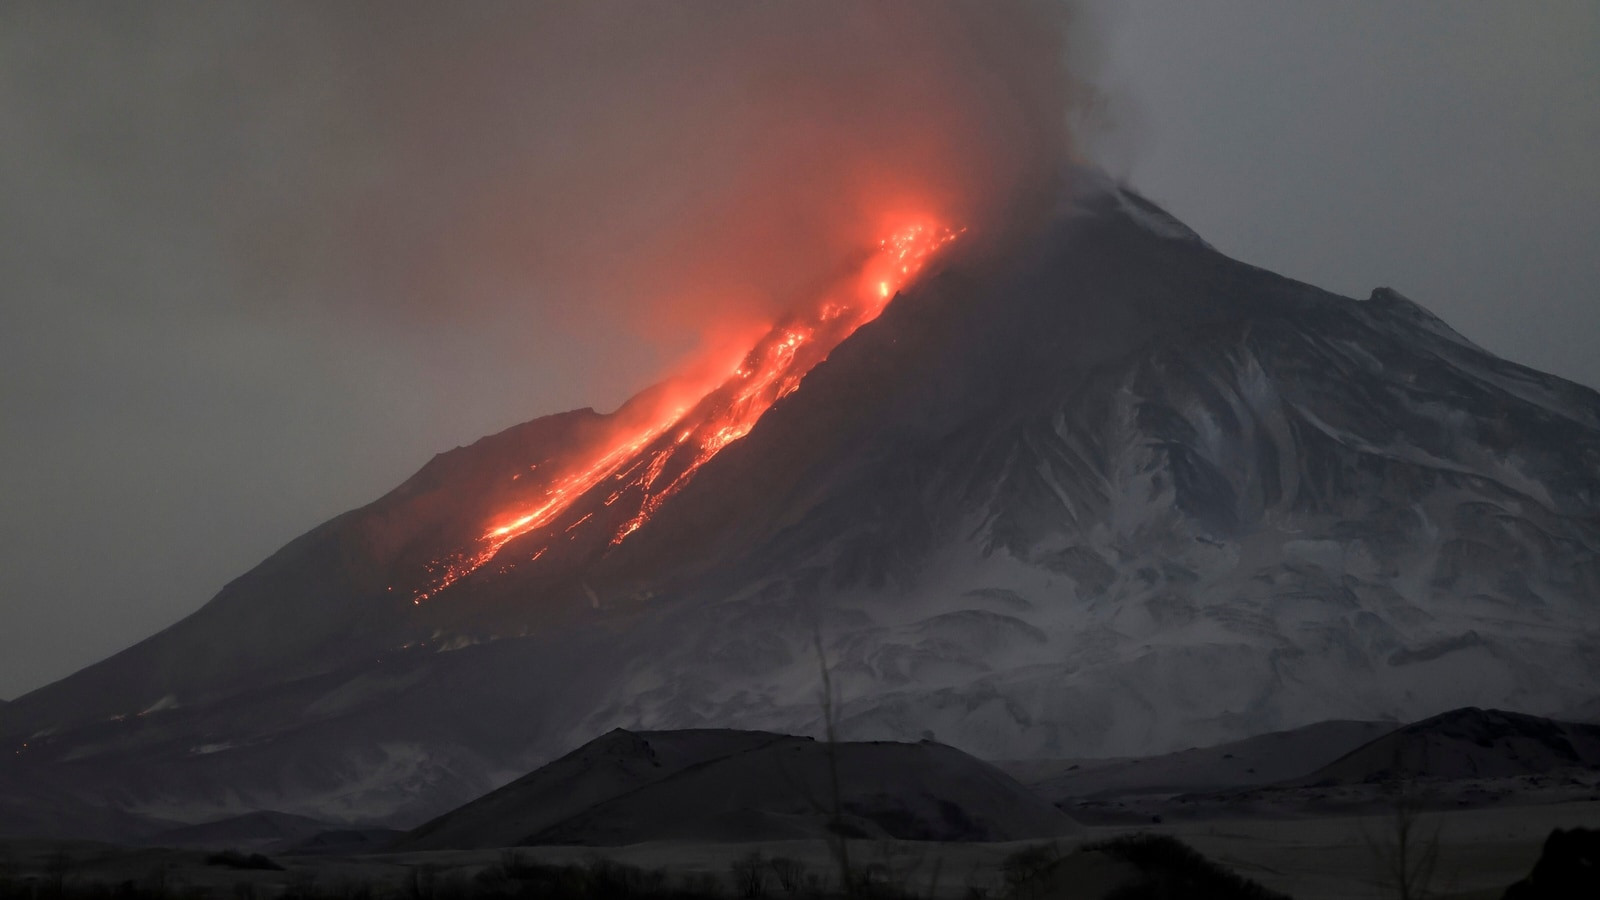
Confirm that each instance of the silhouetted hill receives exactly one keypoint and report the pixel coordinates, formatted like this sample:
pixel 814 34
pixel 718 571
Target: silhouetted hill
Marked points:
pixel 625 788
pixel 1468 744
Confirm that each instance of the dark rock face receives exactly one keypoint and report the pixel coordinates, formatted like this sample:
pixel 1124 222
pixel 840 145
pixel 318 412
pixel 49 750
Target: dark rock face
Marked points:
pixel 1099 491
pixel 1568 868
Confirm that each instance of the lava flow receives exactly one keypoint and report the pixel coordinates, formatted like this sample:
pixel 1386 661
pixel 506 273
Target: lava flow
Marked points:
pixel 646 464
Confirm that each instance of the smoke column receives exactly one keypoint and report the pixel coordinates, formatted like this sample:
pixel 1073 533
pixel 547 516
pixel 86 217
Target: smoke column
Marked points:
pixel 679 170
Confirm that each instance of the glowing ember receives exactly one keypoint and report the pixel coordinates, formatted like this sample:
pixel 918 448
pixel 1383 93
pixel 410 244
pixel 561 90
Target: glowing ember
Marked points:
pixel 647 464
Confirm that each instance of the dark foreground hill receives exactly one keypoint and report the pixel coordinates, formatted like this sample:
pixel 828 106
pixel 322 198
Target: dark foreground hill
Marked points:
pixel 1468 744
pixel 1464 758
pixel 713 785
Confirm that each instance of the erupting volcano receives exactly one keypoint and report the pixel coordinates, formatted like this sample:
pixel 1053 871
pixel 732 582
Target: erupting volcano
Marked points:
pixel 641 467
pixel 1086 488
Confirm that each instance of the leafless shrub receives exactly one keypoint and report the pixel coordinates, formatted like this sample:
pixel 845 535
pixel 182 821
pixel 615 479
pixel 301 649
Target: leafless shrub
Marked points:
pixel 750 876
pixel 789 873
pixel 1023 871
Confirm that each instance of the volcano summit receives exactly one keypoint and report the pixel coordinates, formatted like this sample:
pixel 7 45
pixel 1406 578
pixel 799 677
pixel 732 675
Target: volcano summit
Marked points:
pixel 1089 489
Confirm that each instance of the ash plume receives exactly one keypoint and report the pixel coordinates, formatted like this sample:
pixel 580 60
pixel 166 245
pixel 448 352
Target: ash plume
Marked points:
pixel 673 169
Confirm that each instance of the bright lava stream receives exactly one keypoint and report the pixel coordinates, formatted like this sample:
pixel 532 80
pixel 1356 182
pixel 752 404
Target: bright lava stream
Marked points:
pixel 645 467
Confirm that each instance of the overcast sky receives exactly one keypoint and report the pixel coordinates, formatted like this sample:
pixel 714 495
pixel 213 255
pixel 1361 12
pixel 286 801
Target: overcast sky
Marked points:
pixel 261 261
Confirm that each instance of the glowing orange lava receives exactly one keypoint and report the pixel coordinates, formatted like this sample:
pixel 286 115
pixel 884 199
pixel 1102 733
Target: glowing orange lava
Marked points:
pixel 642 467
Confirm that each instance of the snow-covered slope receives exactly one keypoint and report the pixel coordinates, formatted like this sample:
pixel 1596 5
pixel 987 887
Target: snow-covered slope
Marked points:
pixel 1090 490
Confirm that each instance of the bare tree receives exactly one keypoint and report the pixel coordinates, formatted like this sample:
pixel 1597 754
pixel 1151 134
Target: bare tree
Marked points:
pixel 750 876
pixel 791 873
pixel 837 842
pixel 1405 848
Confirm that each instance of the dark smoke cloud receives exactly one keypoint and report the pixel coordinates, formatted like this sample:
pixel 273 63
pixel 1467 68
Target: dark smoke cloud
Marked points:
pixel 263 259
pixel 667 166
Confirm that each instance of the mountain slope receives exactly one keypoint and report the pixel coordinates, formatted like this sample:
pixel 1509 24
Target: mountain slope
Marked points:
pixel 1086 489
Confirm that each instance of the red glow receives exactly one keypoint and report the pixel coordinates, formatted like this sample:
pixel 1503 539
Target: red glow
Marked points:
pixel 649 461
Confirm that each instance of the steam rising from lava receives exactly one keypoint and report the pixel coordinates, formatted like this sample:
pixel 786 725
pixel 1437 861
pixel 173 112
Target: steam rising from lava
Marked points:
pixel 675 175
pixel 648 460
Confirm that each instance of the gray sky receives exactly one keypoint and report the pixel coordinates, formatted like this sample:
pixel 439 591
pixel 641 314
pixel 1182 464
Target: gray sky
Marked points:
pixel 262 261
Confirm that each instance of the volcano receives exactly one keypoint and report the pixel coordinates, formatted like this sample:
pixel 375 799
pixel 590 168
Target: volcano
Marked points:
pixel 1086 488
